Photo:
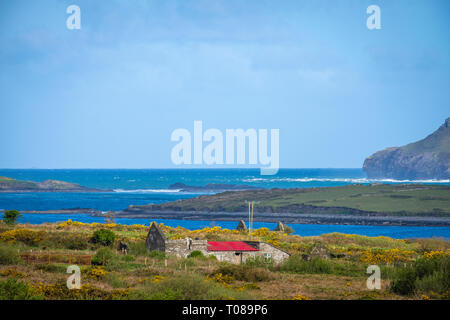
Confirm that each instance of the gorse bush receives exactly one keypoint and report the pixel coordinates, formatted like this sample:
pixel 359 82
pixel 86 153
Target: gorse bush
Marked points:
pixel 59 290
pixel 104 237
pixel 425 275
pixel 27 236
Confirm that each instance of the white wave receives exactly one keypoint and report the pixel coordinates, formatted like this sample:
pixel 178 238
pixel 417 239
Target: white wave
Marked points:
pixel 351 180
pixel 148 191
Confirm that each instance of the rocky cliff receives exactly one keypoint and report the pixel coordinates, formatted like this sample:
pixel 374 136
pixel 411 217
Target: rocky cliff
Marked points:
pixel 428 158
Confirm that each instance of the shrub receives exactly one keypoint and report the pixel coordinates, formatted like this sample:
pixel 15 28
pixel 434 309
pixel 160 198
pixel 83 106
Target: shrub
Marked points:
pixel 104 237
pixel 425 275
pixel 67 241
pixel 11 216
pixel 244 272
pixel 196 254
pixel 288 229
pixel 59 290
pixel 14 289
pixel 27 236
pixel 103 256
pixel 8 255
pixel 96 273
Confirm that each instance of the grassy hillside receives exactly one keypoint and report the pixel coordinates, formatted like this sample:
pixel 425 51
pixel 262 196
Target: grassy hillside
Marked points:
pixel 153 275
pixel 408 199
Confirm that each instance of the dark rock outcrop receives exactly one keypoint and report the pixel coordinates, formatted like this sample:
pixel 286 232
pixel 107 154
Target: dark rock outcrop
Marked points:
pixel 210 187
pixel 428 158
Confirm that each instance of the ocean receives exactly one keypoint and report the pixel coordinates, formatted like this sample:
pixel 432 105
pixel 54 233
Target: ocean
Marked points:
pixel 143 186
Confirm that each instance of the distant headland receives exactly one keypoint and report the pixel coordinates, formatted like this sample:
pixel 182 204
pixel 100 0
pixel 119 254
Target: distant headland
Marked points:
pixel 428 158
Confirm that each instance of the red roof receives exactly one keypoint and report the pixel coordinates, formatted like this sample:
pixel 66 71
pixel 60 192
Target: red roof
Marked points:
pixel 229 246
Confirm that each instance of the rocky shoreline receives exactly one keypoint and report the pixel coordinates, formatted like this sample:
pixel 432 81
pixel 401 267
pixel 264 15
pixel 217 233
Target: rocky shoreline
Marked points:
pixel 288 218
pixel 296 218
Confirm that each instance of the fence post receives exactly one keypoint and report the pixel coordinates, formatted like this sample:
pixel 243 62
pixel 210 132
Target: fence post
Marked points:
pixel 70 260
pixel 103 260
pixel 49 258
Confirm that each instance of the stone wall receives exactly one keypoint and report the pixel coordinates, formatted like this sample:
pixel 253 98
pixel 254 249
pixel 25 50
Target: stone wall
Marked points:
pixel 182 248
pixel 269 251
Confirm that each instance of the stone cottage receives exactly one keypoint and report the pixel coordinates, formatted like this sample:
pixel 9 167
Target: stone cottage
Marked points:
pixel 230 251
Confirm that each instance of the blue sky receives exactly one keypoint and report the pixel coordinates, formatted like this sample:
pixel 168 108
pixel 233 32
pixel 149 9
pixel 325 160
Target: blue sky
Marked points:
pixel 109 95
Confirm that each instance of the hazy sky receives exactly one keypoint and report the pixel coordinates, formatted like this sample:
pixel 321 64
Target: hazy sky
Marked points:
pixel 110 94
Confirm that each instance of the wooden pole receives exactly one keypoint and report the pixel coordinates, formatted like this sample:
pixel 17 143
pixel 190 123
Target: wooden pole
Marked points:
pixel 249 217
pixel 251 235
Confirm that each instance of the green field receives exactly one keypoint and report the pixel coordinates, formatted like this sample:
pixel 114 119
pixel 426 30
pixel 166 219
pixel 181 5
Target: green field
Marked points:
pixel 411 199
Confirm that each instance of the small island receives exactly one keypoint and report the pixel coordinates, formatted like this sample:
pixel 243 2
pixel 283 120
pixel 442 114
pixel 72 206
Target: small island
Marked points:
pixel 12 185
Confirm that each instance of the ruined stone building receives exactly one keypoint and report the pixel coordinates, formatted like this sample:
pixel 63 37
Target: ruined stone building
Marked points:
pixel 231 251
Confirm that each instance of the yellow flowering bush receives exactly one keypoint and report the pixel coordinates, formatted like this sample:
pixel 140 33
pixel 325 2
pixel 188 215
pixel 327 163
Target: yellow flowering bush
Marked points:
pixel 69 223
pixel 60 291
pixel 222 279
pixel 157 279
pixel 97 273
pixel 261 232
pixel 10 272
pixel 435 254
pixel 387 256
pixel 26 236
pixel 300 297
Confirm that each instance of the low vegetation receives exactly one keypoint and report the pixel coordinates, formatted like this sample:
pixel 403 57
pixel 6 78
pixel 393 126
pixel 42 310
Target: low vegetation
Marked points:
pixel 414 268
